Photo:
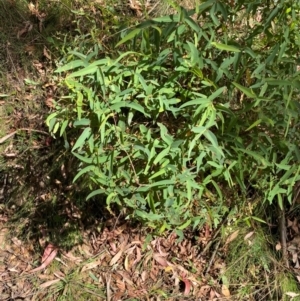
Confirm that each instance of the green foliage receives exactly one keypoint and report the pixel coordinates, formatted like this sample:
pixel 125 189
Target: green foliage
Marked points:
pixel 191 104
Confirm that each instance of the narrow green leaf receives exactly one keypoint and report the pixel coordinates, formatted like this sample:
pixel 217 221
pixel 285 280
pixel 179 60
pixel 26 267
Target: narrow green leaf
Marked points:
pixel 162 183
pixel 225 47
pixel 85 71
pixel 185 225
pixel 217 189
pixel 148 216
pixel 94 277
pixel 197 101
pixel 161 155
pixel 63 127
pixel 82 122
pixel 216 93
pixel 82 138
pixel 136 107
pixel 192 24
pixel 56 127
pixel 245 90
pixel 273 54
pixel 195 56
pixel 129 36
pixel 157 174
pixel 212 138
pixel 83 158
pixel 189 189
pixel 151 201
pixel 95 192
pixel 254 124
pixel 50 118
pixel 70 66
pixel 258 219
pixel 278 82
pixel 83 171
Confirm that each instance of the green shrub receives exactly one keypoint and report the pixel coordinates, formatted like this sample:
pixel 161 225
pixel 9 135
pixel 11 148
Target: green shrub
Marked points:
pixel 194 110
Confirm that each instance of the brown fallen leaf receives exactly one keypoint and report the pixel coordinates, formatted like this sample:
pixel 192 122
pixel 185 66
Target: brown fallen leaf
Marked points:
pixel 116 258
pixel 3 139
pixel 3 233
pixel 126 263
pixel 46 53
pixel 49 283
pixel 247 236
pixel 232 237
pixel 71 257
pixel 91 265
pixel 278 246
pixel 159 259
pixel 27 28
pixel 225 291
pixel 49 102
pixel 126 277
pixel 292 294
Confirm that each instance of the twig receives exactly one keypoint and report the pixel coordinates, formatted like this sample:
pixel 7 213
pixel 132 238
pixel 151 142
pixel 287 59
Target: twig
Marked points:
pixel 212 258
pixel 215 235
pixel 3 139
pixel 33 130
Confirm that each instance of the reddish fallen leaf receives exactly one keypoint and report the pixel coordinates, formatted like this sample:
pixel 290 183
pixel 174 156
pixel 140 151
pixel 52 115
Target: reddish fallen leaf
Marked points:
pixel 48 251
pixel 187 286
pixel 48 256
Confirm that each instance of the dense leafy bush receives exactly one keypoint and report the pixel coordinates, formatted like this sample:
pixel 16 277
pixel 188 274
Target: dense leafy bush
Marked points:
pixel 195 109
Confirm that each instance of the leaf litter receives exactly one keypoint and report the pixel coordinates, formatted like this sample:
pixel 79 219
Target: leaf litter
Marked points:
pixel 115 259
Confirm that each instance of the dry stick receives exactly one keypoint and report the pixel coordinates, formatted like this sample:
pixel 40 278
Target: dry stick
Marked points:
pixel 152 9
pixel 212 257
pixel 268 283
pixel 3 139
pixel 282 229
pixel 215 235
pixel 210 242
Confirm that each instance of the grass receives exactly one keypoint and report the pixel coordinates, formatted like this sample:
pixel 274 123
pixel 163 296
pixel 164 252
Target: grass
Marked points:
pixel 253 268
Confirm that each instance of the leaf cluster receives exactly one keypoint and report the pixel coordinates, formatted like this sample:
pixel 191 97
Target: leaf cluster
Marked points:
pixel 195 108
